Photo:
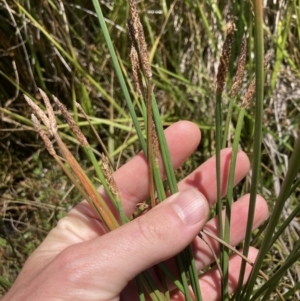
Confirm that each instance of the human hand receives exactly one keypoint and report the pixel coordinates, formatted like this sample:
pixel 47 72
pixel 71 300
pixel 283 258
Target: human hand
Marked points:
pixel 79 261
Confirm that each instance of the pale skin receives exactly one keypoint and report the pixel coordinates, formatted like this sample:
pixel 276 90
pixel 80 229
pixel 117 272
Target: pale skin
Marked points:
pixel 79 261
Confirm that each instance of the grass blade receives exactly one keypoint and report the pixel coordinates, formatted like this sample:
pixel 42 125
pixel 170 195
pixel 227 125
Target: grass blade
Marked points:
pixel 259 74
pixel 293 169
pixel 119 74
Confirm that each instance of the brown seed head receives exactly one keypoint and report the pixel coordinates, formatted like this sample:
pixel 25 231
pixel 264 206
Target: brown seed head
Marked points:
pixel 73 126
pixel 240 69
pixel 136 70
pixel 140 40
pixel 43 135
pixel 52 120
pixel 38 111
pixel 144 56
pixel 134 58
pixel 134 18
pixel 109 177
pixel 251 90
pixel 249 94
pixel 224 60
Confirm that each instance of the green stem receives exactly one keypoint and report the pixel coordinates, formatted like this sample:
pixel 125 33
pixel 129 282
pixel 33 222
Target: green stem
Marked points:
pixel 272 282
pixel 119 74
pixel 218 116
pixel 187 253
pixel 227 123
pixel 293 169
pixel 229 197
pixel 259 74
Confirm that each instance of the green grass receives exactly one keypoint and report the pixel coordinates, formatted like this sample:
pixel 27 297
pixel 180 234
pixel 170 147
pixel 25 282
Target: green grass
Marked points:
pixel 63 51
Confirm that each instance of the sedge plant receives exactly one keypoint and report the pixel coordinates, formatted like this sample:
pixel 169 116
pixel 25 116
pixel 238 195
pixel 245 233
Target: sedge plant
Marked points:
pixel 145 115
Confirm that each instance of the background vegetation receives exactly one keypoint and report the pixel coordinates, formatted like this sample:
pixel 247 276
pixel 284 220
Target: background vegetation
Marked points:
pixel 59 47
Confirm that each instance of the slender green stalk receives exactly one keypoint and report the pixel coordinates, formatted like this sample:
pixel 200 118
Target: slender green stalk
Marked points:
pixel 187 253
pixel 285 224
pixel 227 123
pixel 128 99
pixel 220 83
pixel 229 199
pixel 165 287
pixel 259 73
pixel 182 272
pixel 218 116
pixel 99 173
pixel 166 158
pixel 230 186
pixel 271 284
pixel 193 273
pixel 175 281
pixel 151 288
pixel 294 186
pixel 119 74
pixel 140 289
pixel 293 169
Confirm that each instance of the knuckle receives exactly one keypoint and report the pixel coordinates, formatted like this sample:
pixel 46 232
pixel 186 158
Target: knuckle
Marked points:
pixel 156 229
pixel 70 265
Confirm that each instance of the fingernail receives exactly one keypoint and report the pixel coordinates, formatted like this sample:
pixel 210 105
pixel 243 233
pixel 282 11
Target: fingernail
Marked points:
pixel 191 206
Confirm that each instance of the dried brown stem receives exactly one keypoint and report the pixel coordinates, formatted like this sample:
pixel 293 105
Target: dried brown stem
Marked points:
pixel 52 152
pixel 92 195
pixel 97 201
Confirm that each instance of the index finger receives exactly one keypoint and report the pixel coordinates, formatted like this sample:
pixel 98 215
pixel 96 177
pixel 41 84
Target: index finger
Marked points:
pixel 132 178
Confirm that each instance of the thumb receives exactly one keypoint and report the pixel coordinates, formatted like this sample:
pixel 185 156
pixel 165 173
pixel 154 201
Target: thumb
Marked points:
pixel 160 234
pixel 154 237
